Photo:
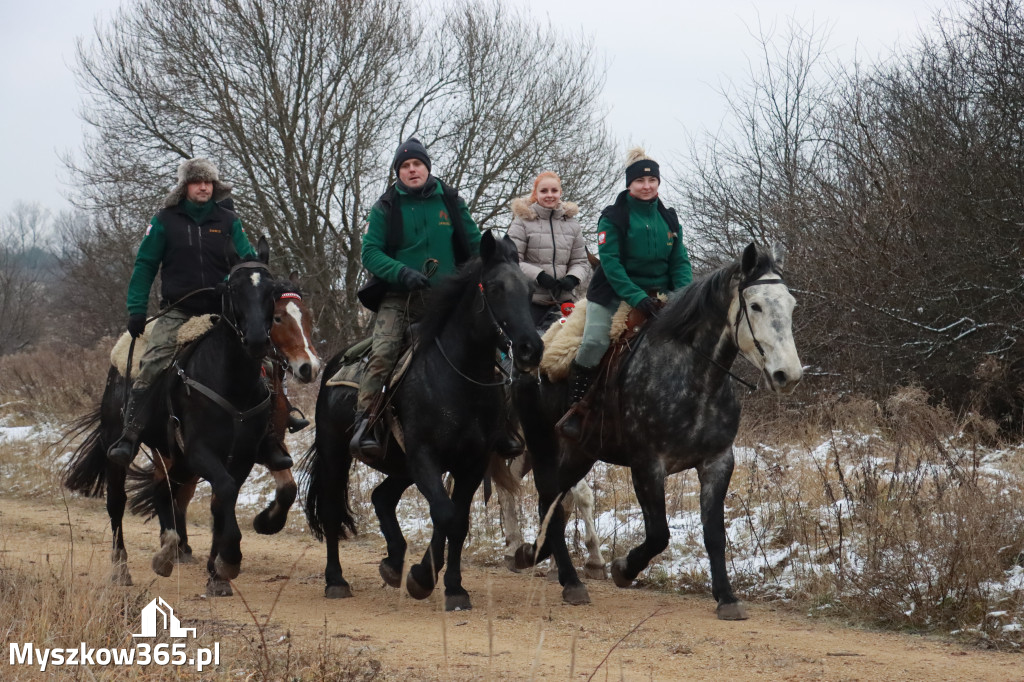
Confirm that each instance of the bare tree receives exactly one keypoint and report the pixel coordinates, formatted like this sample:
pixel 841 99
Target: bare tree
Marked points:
pixel 24 261
pixel 301 104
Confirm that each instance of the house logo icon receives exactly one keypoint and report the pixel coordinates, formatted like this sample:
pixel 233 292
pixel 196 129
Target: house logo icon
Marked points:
pixel 156 612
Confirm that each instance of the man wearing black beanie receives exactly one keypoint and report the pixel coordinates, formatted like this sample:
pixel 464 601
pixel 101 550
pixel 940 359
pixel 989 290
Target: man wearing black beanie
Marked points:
pixel 418 231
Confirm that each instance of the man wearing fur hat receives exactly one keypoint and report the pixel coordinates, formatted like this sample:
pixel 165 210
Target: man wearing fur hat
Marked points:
pixel 185 242
pixel 417 232
pixel 642 255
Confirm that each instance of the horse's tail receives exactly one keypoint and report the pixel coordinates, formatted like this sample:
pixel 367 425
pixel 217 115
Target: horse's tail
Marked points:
pixel 86 471
pixel 502 475
pixel 323 510
pixel 142 487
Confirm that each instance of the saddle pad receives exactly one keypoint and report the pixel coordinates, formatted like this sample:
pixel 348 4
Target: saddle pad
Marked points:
pixel 561 341
pixel 350 373
pixel 193 329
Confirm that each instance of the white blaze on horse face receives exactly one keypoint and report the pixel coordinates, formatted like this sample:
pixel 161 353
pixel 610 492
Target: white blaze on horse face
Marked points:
pixel 770 313
pixel 255 279
pixel 296 314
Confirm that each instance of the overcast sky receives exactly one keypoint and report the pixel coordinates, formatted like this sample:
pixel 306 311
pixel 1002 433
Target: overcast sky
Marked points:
pixel 666 60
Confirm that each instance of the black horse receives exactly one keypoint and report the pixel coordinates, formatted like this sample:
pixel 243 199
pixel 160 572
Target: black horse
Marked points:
pixel 675 409
pixel 449 405
pixel 210 414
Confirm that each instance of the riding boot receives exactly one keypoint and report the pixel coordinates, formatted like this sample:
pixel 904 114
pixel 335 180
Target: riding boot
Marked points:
pixel 364 444
pixel 136 415
pixel 508 446
pixel 273 455
pixel 296 423
pixel 580 379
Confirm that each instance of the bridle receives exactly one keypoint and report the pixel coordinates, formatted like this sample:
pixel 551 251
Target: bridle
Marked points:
pixel 743 312
pixel 227 306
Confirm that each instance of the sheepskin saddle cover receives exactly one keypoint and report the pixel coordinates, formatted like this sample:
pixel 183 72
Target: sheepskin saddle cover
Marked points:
pixel 561 341
pixel 192 330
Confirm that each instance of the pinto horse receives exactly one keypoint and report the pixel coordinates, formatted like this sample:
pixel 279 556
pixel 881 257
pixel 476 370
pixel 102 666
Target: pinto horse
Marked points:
pixel 675 409
pixel 187 431
pixel 450 409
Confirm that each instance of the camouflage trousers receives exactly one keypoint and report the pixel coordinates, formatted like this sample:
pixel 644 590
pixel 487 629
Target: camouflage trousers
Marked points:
pixel 163 341
pixel 397 311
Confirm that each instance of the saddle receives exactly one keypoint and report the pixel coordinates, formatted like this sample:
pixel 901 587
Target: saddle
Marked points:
pixel 193 330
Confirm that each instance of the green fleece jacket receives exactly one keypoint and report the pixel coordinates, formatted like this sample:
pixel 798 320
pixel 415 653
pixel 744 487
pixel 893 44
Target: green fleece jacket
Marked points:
pixel 426 234
pixel 651 262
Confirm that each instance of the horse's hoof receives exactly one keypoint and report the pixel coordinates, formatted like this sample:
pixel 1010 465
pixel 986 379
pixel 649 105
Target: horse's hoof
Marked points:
pixel 184 558
pixel 121 576
pixel 575 594
pixel 338 591
pixel 391 577
pixel 619 573
pixel 595 572
pixel 510 564
pixel 268 524
pixel 416 589
pixel 225 570
pixel 526 556
pixel 163 564
pixel 216 587
pixel 732 611
pixel 457 602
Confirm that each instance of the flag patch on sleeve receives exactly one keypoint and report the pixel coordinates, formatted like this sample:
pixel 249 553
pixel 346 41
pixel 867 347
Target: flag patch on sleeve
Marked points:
pixel 600 237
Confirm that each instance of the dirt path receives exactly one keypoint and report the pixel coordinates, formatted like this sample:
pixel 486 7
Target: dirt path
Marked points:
pixel 534 635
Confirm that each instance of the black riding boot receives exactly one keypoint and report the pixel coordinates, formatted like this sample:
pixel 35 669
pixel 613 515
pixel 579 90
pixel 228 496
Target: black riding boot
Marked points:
pixel 580 379
pixel 296 423
pixel 135 416
pixel 364 444
pixel 507 445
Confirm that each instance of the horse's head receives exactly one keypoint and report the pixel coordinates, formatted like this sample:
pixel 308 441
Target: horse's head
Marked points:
pixel 762 316
pixel 292 332
pixel 249 295
pixel 506 291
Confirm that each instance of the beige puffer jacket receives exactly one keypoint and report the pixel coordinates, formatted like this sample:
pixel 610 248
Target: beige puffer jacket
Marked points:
pixel 550 240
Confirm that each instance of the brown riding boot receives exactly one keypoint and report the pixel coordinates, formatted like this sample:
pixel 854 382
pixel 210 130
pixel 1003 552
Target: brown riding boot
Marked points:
pixel 580 380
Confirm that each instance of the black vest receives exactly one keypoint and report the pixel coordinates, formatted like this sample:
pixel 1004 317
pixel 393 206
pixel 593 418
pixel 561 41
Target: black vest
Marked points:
pixel 195 257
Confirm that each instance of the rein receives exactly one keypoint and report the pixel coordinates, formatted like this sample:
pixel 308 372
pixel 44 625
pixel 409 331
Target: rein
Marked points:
pixel 507 343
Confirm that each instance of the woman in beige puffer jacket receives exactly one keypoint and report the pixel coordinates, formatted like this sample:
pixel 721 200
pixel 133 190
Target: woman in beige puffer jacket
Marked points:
pixel 551 247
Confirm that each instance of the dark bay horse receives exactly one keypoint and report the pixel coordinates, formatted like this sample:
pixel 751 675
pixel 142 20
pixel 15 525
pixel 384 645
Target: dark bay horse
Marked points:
pixel 675 409
pixel 450 408
pixel 191 433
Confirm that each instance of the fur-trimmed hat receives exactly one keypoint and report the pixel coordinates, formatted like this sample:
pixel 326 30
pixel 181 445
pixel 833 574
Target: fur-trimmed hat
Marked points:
pixel 197 170
pixel 639 165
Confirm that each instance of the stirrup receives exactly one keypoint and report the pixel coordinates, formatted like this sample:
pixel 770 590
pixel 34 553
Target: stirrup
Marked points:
pixel 364 446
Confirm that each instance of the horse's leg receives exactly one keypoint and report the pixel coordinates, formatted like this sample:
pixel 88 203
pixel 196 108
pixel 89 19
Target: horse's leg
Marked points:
pixel 225 557
pixel 649 484
pixel 182 498
pixel 583 497
pixel 385 503
pixel 272 519
pixel 455 596
pixel 508 504
pixel 714 475
pixel 552 483
pixel 164 496
pixel 216 586
pixel 423 576
pixel 116 500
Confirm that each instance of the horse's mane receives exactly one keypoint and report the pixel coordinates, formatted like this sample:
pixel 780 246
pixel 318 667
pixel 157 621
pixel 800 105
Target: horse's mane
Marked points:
pixel 444 299
pixel 705 300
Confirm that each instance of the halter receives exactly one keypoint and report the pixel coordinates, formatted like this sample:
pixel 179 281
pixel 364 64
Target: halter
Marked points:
pixel 744 312
pixel 501 331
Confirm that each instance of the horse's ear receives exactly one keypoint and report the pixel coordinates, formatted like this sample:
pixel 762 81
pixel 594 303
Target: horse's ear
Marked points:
pixel 487 246
pixel 779 255
pixel 510 247
pixel 263 250
pixel 749 261
pixel 293 277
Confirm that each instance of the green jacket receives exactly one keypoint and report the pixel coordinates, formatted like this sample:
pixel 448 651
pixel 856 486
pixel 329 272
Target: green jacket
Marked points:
pixel 644 255
pixel 185 243
pixel 426 234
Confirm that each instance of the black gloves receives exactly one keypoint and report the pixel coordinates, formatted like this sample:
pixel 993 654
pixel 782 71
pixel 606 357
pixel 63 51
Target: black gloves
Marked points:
pixel 547 281
pixel 413 280
pixel 649 307
pixel 568 283
pixel 136 324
